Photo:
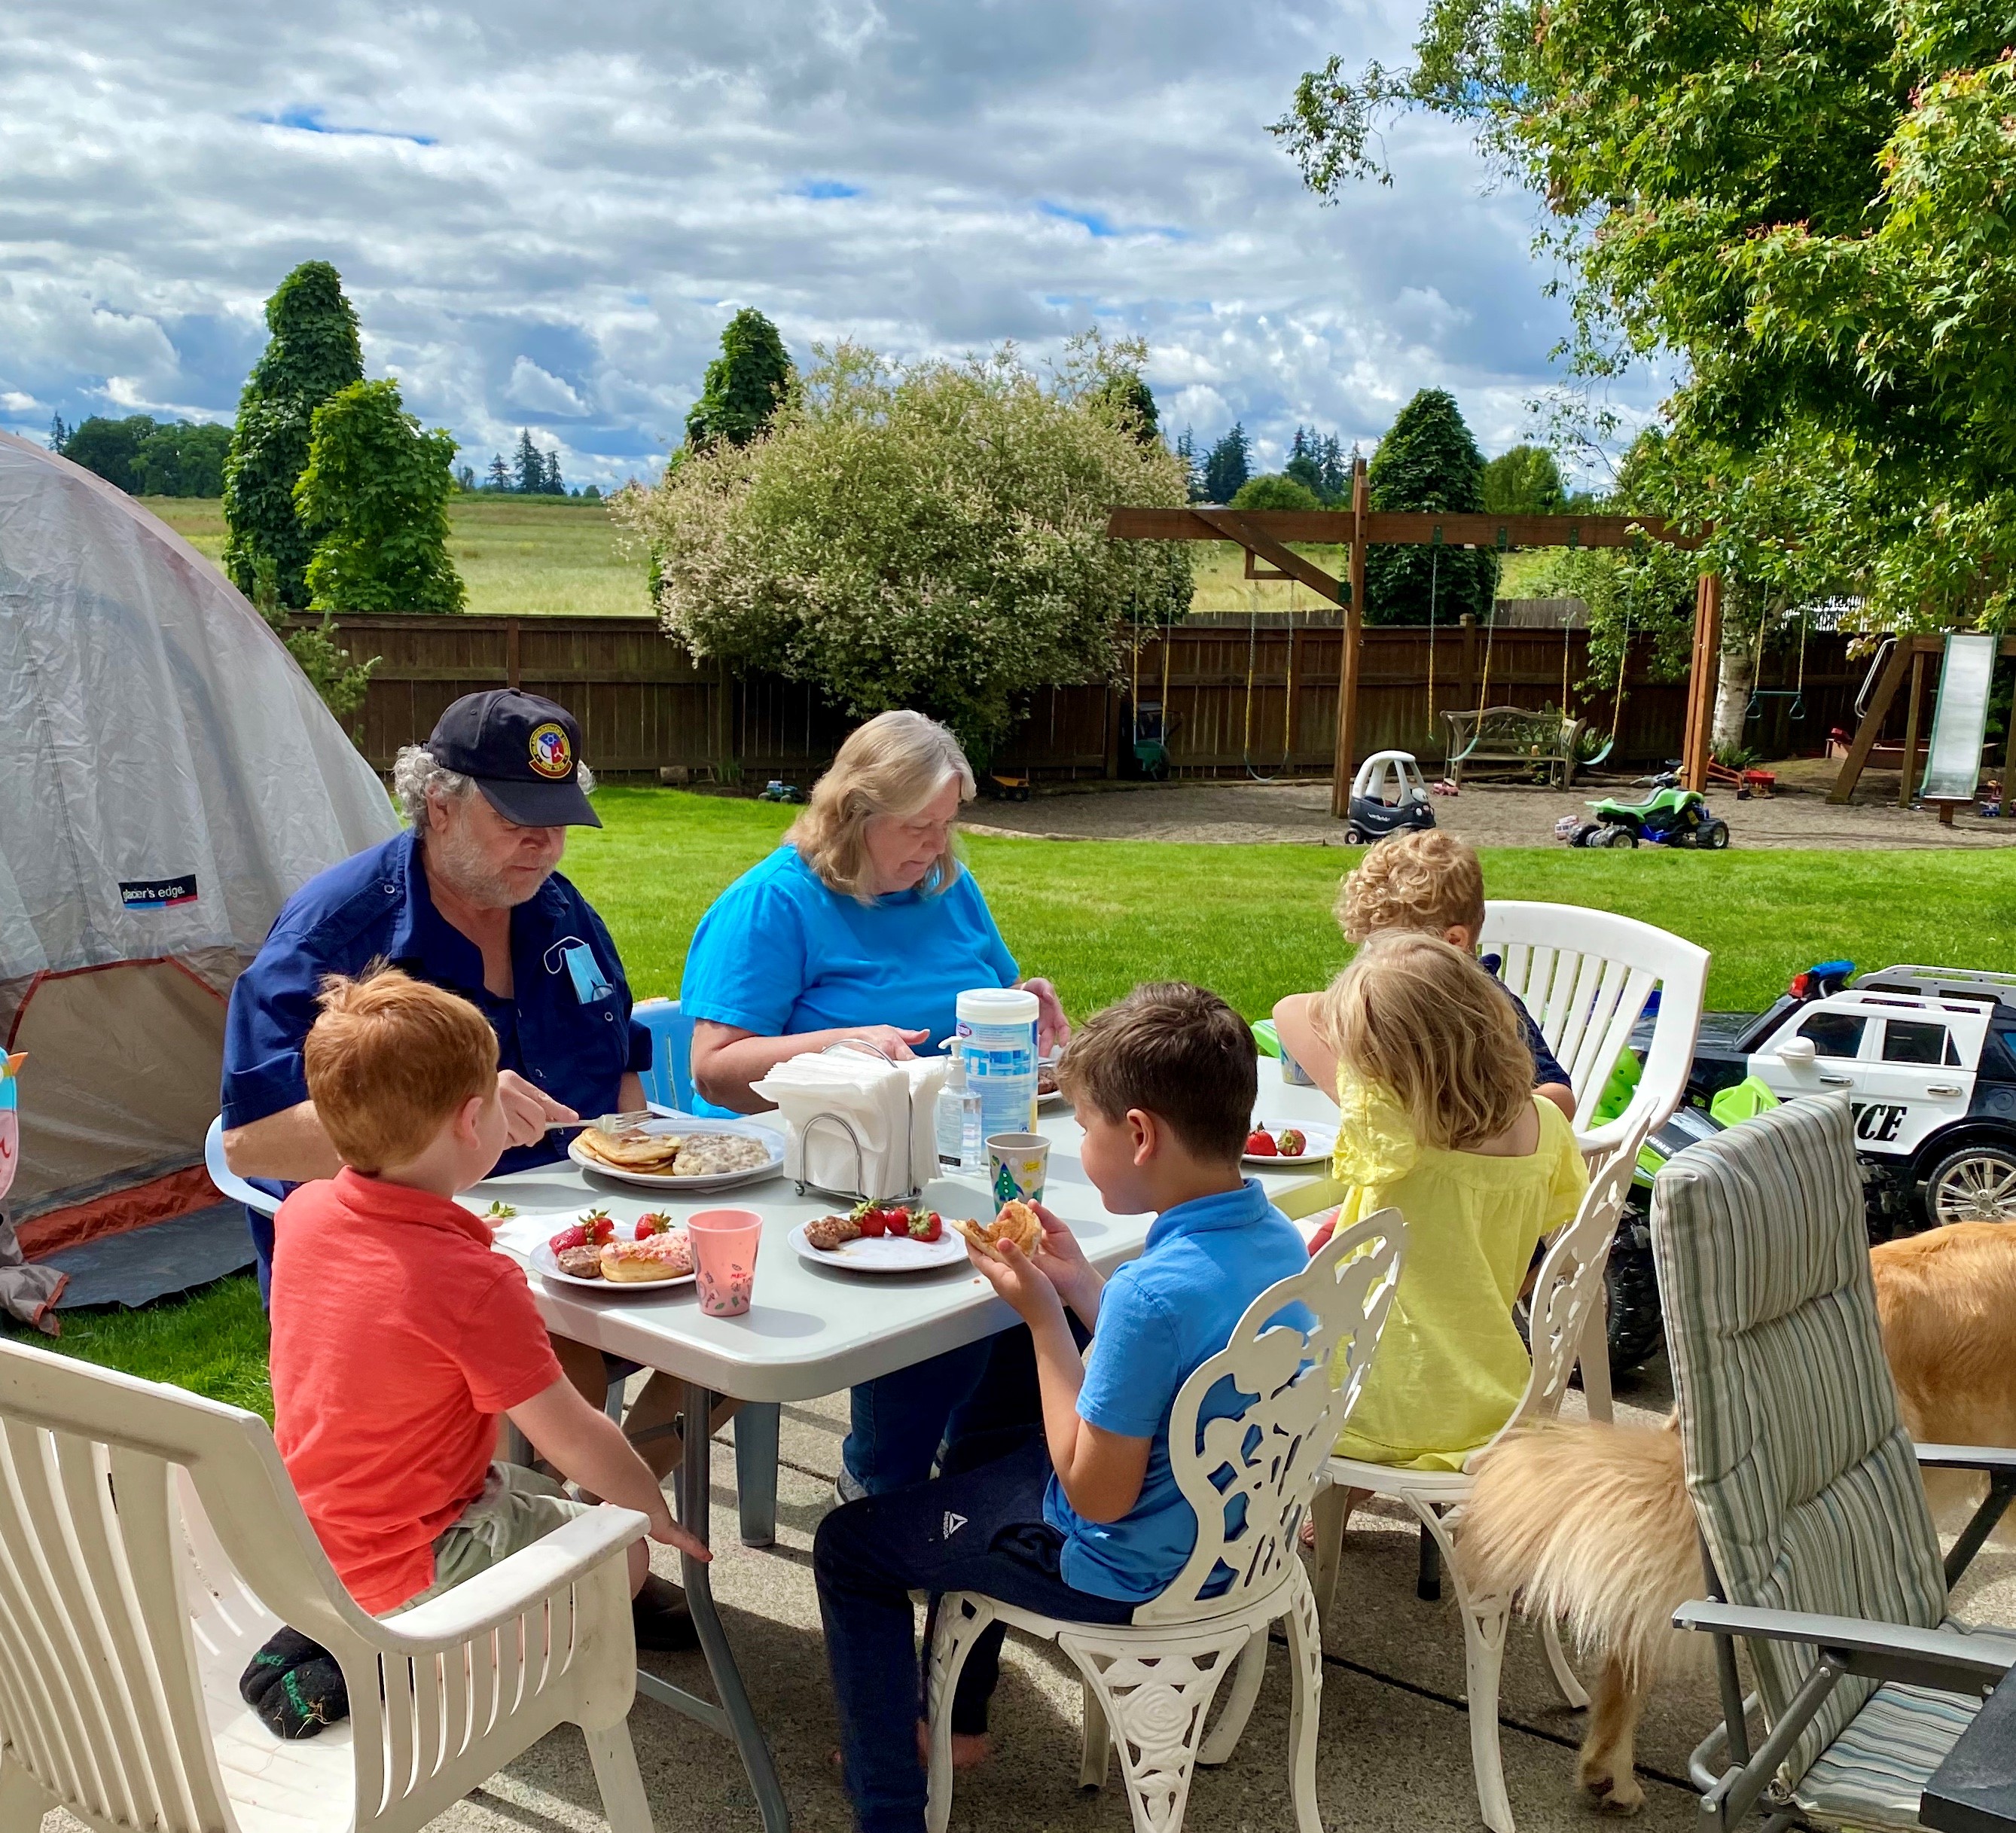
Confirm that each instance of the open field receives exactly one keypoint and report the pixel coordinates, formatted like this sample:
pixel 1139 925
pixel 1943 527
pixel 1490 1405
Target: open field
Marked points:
pixel 519 556
pixel 1222 587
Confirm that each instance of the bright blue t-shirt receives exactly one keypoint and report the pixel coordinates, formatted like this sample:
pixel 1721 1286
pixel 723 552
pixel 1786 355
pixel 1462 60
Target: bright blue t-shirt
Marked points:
pixel 779 952
pixel 1159 1316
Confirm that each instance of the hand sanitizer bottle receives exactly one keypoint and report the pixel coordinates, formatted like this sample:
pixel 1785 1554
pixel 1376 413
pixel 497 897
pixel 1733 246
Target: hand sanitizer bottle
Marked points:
pixel 960 1141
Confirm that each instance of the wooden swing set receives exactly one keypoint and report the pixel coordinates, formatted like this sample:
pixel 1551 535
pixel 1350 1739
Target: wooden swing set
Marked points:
pixel 1265 533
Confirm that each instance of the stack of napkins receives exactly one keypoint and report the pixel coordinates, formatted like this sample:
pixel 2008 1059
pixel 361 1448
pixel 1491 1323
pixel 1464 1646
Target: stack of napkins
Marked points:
pixel 892 1109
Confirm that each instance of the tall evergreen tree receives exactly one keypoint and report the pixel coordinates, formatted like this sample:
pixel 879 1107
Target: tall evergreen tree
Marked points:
pixel 1229 466
pixel 745 384
pixel 1428 461
pixel 529 466
pixel 59 434
pixel 552 484
pixel 499 476
pixel 1305 464
pixel 1134 402
pixel 313 352
pixel 1186 457
pixel 1333 470
pixel 377 489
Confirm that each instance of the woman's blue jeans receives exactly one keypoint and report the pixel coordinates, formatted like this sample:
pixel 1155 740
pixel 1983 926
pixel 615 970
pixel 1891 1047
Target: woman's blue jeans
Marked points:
pixel 898 1420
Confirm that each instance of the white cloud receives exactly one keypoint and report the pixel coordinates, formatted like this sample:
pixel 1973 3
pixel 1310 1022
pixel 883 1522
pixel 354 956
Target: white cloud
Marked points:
pixel 539 391
pixel 543 228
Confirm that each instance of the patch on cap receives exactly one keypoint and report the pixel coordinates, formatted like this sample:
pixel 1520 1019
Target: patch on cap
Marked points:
pixel 551 756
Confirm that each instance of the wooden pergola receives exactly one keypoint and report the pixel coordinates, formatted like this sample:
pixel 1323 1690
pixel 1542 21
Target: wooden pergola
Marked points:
pixel 1264 535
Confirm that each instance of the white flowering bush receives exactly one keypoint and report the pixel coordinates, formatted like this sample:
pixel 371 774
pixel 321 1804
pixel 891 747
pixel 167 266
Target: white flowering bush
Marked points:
pixel 929 536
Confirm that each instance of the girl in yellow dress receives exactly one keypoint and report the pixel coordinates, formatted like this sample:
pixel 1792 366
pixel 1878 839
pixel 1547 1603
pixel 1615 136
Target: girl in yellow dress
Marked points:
pixel 1440 1121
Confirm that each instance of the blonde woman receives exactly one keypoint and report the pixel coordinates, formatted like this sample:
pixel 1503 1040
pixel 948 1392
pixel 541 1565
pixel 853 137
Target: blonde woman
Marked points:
pixel 863 923
pixel 1441 1119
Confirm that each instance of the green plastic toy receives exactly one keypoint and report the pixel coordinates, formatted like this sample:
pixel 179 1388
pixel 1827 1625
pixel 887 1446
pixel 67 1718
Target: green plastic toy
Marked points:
pixel 1672 815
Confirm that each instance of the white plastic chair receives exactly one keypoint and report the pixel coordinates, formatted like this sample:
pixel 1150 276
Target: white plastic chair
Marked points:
pixel 1586 976
pixel 147 1537
pixel 1566 1295
pixel 1152 1681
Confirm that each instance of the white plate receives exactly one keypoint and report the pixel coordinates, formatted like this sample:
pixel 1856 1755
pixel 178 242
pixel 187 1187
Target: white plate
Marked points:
pixel 545 1263
pixel 659 1180
pixel 880 1254
pixel 1322 1143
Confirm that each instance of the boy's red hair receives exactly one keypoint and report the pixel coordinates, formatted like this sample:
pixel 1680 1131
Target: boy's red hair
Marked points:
pixel 389 1060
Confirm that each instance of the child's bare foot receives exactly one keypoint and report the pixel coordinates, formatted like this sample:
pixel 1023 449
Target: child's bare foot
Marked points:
pixel 970 1749
pixel 1308 1533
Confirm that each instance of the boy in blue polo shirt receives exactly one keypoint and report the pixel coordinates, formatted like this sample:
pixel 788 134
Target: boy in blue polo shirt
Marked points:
pixel 1081 1517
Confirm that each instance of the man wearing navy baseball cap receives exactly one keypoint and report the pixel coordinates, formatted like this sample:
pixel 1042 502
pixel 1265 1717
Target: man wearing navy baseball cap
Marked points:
pixel 469 898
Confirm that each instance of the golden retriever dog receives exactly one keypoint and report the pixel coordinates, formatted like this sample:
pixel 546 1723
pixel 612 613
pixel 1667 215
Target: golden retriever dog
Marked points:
pixel 1590 1524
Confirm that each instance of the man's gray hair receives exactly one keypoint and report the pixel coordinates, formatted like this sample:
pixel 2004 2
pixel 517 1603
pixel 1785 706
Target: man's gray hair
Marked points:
pixel 416 772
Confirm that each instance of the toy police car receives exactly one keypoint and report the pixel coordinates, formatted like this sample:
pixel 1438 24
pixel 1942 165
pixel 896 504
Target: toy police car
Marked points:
pixel 1926 1057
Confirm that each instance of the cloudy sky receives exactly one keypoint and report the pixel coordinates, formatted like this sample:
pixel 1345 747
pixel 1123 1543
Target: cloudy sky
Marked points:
pixel 544 213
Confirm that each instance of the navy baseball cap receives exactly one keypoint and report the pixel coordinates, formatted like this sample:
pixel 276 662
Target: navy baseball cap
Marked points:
pixel 523 752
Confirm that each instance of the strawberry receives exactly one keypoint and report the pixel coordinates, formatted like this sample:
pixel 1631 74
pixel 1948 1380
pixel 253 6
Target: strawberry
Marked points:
pixel 925 1226
pixel 1260 1144
pixel 574 1235
pixel 653 1224
pixel 868 1217
pixel 1292 1143
pixel 597 1228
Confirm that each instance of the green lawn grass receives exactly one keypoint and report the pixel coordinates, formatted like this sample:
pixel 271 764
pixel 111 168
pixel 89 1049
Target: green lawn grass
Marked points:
pixel 518 556
pixel 1223 589
pixel 1253 922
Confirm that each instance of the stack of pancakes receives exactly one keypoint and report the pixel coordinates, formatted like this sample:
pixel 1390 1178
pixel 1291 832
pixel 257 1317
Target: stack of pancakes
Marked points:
pixel 633 1151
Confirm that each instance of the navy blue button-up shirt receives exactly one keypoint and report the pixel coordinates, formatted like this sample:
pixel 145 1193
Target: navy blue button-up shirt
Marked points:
pixel 377 907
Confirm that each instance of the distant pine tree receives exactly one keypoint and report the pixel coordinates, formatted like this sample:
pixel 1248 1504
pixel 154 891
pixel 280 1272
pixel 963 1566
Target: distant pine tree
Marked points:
pixel 59 434
pixel 590 492
pixel 465 479
pixel 1229 466
pixel 530 470
pixel 1333 470
pixel 1304 465
pixel 552 486
pixel 1186 457
pixel 500 473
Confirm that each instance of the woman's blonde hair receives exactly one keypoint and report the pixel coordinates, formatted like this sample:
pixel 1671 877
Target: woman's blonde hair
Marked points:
pixel 893 764
pixel 1422 1019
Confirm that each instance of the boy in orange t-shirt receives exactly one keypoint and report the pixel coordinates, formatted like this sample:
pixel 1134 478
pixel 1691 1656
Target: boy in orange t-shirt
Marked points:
pixel 398 1336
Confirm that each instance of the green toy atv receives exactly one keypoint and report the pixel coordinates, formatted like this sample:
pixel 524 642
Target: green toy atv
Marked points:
pixel 1672 815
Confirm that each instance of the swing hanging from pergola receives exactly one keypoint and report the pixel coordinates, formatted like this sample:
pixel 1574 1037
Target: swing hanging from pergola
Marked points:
pixel 1263 535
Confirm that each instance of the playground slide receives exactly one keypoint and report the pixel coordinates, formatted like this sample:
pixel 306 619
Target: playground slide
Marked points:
pixel 1959 719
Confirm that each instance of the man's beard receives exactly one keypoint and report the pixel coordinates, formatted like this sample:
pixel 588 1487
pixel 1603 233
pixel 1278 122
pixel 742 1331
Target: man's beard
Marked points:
pixel 456 855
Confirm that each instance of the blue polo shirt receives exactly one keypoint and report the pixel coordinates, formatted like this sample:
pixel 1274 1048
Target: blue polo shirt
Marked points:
pixel 1159 1316
pixel 375 906
pixel 779 952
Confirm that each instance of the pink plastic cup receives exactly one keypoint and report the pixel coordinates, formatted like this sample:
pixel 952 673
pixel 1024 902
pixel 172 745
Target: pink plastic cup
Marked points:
pixel 724 1245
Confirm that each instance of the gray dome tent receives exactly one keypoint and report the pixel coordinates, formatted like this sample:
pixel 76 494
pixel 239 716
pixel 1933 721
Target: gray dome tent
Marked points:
pixel 171 779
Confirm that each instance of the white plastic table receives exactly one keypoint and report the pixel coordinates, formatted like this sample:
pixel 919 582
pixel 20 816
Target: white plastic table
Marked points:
pixel 810 1330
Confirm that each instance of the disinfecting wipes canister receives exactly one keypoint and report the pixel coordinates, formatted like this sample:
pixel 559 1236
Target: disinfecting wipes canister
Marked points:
pixel 997 1032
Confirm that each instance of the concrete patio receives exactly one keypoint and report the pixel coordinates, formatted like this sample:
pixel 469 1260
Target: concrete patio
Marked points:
pixel 1395 1751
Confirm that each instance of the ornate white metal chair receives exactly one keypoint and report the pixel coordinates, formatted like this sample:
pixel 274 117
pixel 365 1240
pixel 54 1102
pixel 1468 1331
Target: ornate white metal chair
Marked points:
pixel 147 1539
pixel 1152 1681
pixel 1566 1295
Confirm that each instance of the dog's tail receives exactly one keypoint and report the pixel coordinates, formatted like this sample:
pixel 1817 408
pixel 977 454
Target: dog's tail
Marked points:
pixel 1589 1524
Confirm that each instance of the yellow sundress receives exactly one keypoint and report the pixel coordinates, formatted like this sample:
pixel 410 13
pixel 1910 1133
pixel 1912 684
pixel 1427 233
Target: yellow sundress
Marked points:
pixel 1450 1366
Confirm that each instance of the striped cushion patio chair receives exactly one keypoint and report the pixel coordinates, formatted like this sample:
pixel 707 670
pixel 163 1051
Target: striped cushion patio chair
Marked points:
pixel 1819 1550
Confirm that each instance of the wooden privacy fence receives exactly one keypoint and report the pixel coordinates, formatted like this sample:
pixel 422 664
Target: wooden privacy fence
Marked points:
pixel 1235 699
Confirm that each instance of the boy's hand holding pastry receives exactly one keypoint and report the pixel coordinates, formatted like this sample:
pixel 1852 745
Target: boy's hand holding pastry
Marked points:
pixel 1033 1262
